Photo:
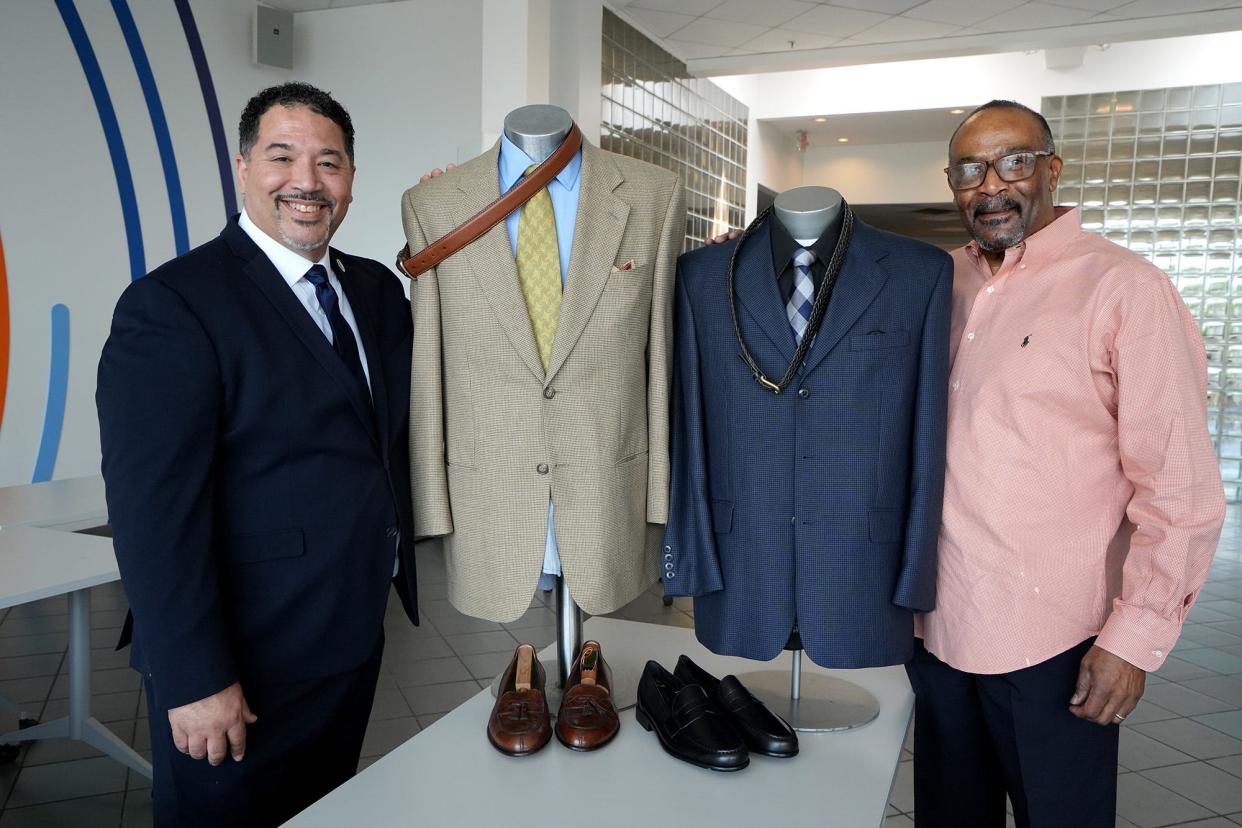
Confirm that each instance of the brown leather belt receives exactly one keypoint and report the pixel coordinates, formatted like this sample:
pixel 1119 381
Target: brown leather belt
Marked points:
pixel 419 263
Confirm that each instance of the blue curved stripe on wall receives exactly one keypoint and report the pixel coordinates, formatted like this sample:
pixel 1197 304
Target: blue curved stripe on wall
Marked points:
pixel 57 389
pixel 112 134
pixel 159 123
pixel 210 103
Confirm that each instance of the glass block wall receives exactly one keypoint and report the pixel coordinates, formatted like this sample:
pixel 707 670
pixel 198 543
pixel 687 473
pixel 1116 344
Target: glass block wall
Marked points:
pixel 651 109
pixel 1157 170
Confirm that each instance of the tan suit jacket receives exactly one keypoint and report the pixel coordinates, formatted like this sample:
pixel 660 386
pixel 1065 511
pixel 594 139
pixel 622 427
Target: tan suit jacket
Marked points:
pixel 491 437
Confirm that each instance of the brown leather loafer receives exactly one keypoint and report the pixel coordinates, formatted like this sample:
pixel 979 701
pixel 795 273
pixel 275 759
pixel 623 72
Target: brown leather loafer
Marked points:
pixel 587 720
pixel 520 723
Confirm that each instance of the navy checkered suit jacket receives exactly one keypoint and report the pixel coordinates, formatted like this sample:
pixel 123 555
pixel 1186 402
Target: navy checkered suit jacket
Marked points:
pixel 821 504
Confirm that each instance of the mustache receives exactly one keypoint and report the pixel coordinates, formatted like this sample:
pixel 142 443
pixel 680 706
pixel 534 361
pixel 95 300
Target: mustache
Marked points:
pixel 994 204
pixel 315 197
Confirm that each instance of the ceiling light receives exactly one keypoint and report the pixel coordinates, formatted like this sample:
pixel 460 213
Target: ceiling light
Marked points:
pixel 958 111
pixel 821 120
pixel 843 140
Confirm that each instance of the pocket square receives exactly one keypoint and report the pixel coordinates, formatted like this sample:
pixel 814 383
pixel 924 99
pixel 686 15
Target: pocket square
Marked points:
pixel 624 267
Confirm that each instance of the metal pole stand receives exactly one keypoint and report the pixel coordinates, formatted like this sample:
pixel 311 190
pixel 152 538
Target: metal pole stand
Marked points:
pixel 812 703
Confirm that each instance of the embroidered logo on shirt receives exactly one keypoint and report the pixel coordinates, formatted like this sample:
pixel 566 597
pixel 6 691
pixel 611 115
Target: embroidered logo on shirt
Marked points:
pixel 1026 340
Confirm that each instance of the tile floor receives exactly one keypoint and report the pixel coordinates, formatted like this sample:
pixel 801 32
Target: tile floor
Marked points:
pixel 1181 750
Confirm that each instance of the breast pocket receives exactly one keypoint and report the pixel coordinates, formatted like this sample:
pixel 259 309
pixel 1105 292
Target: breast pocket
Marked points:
pixel 879 340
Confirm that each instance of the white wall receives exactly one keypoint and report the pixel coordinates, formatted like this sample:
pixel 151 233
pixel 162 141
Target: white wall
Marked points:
pixel 772 160
pixel 880 173
pixel 410 73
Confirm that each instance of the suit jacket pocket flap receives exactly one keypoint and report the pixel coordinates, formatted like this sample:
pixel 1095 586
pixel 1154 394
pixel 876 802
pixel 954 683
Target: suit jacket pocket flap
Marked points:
pixel 266 546
pixel 879 339
pixel 722 516
pixel 885 525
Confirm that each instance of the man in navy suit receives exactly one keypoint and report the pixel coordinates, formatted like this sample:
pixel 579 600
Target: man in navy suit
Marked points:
pixel 253 398
pixel 819 505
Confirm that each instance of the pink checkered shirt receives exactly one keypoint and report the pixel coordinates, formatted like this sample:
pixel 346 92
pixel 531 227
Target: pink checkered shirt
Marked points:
pixel 1082 493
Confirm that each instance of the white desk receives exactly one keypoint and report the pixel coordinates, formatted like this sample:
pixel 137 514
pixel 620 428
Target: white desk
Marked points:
pixel 37 563
pixel 450 775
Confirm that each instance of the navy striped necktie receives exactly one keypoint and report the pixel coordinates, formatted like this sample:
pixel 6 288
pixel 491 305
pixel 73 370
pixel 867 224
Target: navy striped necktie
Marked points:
pixel 343 341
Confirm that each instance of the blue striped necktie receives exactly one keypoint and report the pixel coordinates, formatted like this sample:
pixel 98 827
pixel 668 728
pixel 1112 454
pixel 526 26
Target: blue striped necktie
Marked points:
pixel 343 341
pixel 800 303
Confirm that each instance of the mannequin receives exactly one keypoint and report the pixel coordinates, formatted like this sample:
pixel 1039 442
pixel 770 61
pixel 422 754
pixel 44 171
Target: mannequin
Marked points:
pixel 538 424
pixel 807 475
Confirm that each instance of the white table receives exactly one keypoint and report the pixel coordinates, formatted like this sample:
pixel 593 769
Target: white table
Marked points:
pixel 41 556
pixel 450 775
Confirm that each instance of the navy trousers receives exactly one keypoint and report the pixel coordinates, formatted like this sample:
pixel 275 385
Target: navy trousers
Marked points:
pixel 980 737
pixel 306 742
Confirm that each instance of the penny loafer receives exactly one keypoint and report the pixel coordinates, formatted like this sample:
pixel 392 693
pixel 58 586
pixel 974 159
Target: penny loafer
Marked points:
pixel 688 724
pixel 762 730
pixel 520 723
pixel 587 719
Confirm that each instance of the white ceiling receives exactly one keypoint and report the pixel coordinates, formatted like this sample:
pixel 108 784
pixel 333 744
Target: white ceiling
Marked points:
pixel 736 36
pixel 906 126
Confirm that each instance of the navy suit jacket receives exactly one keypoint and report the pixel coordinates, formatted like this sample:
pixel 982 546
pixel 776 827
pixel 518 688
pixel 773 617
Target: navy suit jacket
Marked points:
pixel 821 504
pixel 256 496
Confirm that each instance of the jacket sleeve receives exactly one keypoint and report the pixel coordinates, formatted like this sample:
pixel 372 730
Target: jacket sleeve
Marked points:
pixel 428 476
pixel 659 355
pixel 159 398
pixel 1178 506
pixel 916 583
pixel 689 542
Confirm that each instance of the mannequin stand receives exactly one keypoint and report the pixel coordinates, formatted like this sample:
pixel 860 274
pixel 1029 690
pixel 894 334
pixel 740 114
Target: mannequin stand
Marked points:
pixel 569 639
pixel 813 703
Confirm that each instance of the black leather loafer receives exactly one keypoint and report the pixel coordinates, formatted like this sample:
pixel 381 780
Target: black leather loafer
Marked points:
pixel 688 724
pixel 762 730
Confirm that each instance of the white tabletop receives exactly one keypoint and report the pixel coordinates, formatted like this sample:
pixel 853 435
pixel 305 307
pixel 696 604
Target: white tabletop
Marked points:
pixel 69 501
pixel 40 563
pixel 449 775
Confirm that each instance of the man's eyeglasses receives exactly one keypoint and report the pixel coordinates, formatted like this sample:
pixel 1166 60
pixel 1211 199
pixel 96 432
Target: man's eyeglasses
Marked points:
pixel 1017 166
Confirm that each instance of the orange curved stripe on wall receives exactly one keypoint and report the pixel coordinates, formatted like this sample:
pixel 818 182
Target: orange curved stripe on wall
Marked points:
pixel 4 331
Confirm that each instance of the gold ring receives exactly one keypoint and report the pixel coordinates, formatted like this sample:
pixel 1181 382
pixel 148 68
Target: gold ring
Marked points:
pixel 1119 717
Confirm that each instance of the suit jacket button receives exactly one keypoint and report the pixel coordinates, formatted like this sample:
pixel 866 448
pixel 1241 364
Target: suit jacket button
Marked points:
pixel 549 393
pixel 804 393
pixel 542 468
pixel 391 532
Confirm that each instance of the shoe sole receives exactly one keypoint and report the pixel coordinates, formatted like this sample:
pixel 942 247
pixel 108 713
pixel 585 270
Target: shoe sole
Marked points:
pixel 644 720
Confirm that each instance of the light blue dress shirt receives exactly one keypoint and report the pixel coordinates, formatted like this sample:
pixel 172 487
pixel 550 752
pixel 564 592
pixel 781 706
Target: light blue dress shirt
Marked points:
pixel 563 191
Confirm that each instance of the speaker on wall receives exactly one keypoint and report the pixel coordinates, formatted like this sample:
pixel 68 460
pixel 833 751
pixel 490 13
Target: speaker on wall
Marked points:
pixel 273 37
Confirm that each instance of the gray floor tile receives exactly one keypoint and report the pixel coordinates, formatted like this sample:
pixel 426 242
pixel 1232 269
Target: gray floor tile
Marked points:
pixel 48 606
pixel 88 812
pixel 1177 669
pixel 389 704
pixel 902 797
pixel 107 707
pixel 496 641
pixel 541 637
pixel 1209 636
pixel 47 751
pixel 429 719
pixel 1229 764
pixel 139 811
pixel 1198 740
pixel 20 667
pixel 1200 782
pixel 534 617
pixel 27 691
pixel 117 680
pixel 1183 701
pixel 429 671
pixel 1149 805
pixel 1231 627
pixel 463 624
pixel 1225 688
pixel 66 780
pixel 1230 722
pixel 1148 711
pixel 35 625
pixel 438 698
pixel 1230 608
pixel 1200 614
pixel 898 821
pixel 1140 752
pixel 33 644
pixel 1213 822
pixel 1215 659
pixel 383 736
pixel 416 649
pixel 487 666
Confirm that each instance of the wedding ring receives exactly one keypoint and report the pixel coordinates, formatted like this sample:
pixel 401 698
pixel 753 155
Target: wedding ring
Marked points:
pixel 1119 717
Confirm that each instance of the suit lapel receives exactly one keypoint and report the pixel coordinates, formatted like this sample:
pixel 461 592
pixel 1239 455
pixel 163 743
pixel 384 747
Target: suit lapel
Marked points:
pixel 491 258
pixel 598 229
pixel 269 282
pixel 365 317
pixel 860 280
pixel 754 281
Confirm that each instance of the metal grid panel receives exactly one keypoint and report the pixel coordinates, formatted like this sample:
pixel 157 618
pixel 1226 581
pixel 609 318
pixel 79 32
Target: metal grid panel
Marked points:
pixel 653 110
pixel 1157 170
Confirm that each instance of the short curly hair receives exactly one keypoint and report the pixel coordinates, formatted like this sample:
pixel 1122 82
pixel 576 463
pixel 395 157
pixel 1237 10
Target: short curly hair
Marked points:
pixel 290 95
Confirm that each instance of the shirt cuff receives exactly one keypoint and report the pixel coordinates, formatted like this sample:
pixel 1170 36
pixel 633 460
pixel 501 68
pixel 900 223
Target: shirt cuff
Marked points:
pixel 1140 636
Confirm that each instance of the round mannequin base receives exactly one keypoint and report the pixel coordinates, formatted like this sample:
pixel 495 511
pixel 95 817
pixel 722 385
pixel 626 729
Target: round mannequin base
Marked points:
pixel 824 703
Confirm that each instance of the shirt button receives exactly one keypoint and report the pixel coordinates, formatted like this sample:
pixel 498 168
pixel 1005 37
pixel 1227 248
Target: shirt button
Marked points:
pixel 1036 590
pixel 549 393
pixel 804 393
pixel 970 337
pixel 956 385
pixel 542 468
pixel 991 288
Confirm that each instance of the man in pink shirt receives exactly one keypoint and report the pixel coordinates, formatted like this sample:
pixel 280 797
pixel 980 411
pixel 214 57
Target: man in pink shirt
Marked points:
pixel 1082 500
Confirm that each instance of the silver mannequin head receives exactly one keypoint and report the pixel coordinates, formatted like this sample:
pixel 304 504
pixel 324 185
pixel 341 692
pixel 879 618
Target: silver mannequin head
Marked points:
pixel 808 212
pixel 538 129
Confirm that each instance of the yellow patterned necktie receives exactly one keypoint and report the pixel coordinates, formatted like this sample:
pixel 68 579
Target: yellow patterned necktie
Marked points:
pixel 539 268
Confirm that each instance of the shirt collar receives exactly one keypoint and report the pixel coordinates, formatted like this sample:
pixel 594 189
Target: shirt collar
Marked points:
pixel 291 266
pixel 1043 245
pixel 513 162
pixel 784 246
